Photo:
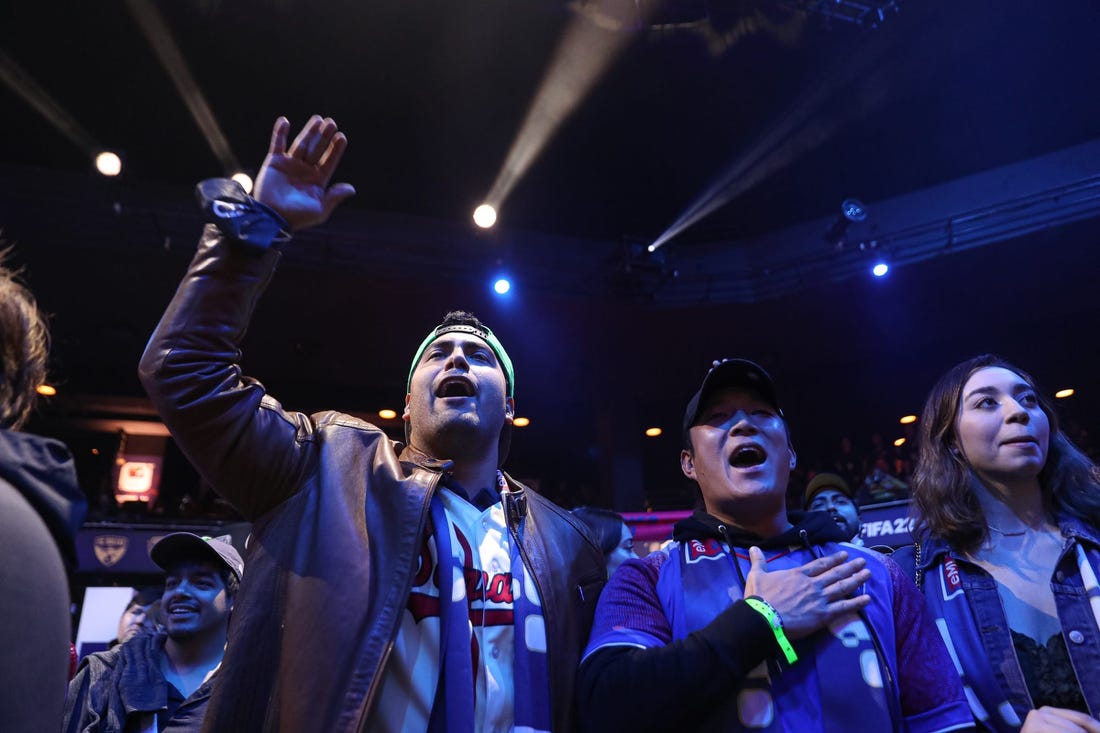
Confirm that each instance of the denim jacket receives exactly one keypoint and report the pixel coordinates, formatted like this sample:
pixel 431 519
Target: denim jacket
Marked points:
pixel 967 609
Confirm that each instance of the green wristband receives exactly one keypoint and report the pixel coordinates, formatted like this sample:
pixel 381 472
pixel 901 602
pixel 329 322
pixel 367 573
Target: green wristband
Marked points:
pixel 770 615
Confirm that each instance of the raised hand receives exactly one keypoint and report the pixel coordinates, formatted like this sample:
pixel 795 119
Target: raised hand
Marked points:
pixel 294 181
pixel 809 597
pixel 1051 720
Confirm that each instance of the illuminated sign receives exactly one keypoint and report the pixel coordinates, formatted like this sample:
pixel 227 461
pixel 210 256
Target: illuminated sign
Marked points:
pixel 137 478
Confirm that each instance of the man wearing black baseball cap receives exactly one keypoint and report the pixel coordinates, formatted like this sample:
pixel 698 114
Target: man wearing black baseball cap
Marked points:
pixel 755 621
pixel 164 679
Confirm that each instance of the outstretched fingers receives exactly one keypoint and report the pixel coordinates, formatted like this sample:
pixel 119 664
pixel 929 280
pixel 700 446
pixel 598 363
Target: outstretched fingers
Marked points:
pixel 306 141
pixel 839 581
pixel 841 571
pixel 333 152
pixel 278 137
pixel 848 605
pixel 825 564
pixel 844 586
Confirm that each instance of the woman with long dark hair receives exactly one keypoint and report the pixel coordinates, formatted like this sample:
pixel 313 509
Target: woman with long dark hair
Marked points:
pixel 1007 511
pixel 611 534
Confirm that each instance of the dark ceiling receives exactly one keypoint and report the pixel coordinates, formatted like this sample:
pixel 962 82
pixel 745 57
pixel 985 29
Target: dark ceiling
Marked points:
pixel 432 94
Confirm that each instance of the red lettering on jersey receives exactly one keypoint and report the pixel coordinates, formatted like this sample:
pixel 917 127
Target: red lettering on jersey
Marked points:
pixel 424 569
pixel 467 553
pixel 479 588
pixel 951 574
pixel 500 588
pixel 475 583
pixel 423 606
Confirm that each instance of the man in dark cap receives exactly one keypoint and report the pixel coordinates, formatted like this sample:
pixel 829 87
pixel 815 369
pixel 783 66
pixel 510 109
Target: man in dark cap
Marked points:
pixel 164 679
pixel 755 621
pixel 391 587
pixel 828 492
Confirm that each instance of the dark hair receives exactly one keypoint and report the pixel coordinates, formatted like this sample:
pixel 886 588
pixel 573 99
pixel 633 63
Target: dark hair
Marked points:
pixel 462 318
pixel 232 584
pixel 606 526
pixel 24 345
pixel 944 504
pixel 145 596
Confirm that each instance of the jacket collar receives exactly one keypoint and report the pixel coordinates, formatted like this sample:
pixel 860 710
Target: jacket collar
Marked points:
pixel 931 550
pixel 1078 529
pixel 408 454
pixel 934 548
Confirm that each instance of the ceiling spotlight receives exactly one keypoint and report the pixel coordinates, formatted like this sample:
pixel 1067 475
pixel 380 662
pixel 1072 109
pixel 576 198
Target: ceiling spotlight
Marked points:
pixel 880 269
pixel 853 210
pixel 485 216
pixel 502 286
pixel 652 432
pixel 244 179
pixel 850 210
pixel 521 422
pixel 108 163
pixel 46 390
pixel 1064 393
pixel 387 414
pixel 899 442
pixel 908 420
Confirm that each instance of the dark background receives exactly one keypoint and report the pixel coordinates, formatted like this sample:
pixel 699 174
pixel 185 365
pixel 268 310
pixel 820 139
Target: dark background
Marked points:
pixel 606 339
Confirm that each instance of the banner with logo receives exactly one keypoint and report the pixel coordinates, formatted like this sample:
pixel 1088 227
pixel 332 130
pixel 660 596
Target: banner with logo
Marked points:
pixel 886 524
pixel 124 548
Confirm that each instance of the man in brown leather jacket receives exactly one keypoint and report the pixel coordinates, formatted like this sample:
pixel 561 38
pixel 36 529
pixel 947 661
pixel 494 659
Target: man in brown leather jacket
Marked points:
pixel 343 623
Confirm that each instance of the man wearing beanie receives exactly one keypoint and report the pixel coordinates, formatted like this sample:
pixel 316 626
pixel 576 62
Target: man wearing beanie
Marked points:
pixel 753 620
pixel 391 587
pixel 162 680
pixel 828 492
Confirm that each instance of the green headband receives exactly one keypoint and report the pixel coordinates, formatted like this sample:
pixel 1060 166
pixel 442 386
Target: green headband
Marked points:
pixel 482 333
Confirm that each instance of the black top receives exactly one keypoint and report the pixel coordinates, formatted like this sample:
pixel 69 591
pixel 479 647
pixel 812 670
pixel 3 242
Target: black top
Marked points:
pixel 1048 672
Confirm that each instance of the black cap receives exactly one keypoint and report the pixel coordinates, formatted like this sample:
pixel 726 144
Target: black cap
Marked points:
pixel 823 481
pixel 171 548
pixel 730 373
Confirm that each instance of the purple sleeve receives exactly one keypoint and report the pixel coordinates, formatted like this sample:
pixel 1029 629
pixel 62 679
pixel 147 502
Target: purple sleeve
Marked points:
pixel 635 677
pixel 629 612
pixel 932 697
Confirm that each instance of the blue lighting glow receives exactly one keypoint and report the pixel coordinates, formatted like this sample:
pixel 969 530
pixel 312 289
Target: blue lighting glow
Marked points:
pixel 880 269
pixel 502 286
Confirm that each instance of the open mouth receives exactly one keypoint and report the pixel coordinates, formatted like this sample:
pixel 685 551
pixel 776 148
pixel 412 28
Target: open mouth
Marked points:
pixel 455 387
pixel 181 609
pixel 748 456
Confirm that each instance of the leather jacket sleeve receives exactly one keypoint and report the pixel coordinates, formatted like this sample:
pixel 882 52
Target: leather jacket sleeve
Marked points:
pixel 241 440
